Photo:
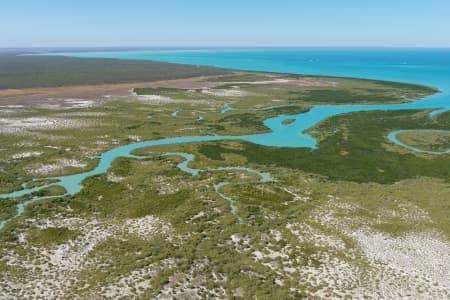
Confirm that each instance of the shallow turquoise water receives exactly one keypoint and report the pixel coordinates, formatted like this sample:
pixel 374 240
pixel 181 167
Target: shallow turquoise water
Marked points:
pixel 431 67
pixel 426 66
pixel 184 165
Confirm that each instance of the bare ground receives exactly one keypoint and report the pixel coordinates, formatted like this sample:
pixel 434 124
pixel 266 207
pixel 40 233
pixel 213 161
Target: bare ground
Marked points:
pixel 87 95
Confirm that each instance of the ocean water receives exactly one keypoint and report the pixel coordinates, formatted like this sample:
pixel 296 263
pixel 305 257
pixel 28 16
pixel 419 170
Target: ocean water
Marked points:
pixel 426 66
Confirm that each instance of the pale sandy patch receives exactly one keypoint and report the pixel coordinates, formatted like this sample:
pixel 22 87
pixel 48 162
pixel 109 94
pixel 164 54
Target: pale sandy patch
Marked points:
pixel 305 81
pixel 53 272
pixel 419 254
pixel 58 165
pixel 224 93
pixel 192 284
pixel 114 178
pixel 307 233
pixel 135 138
pixel 158 99
pixel 411 266
pixel 137 281
pixel 20 125
pixel 27 154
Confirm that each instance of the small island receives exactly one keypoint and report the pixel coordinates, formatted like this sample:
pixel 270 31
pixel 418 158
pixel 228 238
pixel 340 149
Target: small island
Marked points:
pixel 288 121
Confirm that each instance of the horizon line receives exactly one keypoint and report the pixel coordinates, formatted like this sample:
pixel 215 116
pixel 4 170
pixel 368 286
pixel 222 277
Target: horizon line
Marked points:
pixel 225 47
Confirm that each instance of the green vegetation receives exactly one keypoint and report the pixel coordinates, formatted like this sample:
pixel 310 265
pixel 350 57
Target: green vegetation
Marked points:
pixel 405 86
pixel 51 235
pixel 360 83
pixel 8 207
pixel 354 144
pixel 145 228
pixel 428 140
pixel 245 120
pixel 50 71
pixel 157 91
pixel 51 191
pixel 380 93
pixel 35 183
pixel 343 96
pixel 288 121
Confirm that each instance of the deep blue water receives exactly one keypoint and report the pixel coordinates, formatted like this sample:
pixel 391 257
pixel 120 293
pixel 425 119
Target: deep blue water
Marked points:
pixel 430 67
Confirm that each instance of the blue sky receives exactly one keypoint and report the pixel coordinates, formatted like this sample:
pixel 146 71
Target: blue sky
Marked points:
pixel 97 23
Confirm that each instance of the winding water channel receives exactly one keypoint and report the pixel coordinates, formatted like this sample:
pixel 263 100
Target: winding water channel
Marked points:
pixel 392 136
pixel 281 135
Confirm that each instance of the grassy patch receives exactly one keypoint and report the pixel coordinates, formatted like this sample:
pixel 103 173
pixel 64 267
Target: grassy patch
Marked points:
pixel 245 120
pixel 344 96
pixel 55 190
pixel 155 91
pixel 427 140
pixel 51 236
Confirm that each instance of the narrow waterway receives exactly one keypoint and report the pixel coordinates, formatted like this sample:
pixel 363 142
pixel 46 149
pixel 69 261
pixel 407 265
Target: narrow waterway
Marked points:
pixel 430 67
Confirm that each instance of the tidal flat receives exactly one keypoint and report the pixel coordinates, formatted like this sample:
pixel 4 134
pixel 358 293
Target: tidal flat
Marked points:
pixel 356 216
